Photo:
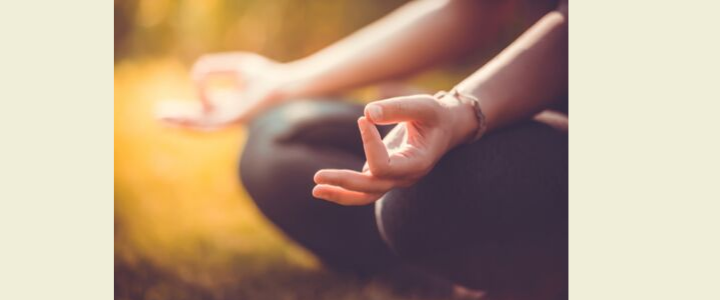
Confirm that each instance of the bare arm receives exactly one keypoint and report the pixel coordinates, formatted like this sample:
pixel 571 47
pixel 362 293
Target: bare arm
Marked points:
pixel 413 37
pixel 522 80
pixel 526 77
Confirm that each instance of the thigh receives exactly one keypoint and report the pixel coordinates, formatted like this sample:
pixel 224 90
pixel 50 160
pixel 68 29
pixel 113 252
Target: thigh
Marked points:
pixel 284 149
pixel 491 215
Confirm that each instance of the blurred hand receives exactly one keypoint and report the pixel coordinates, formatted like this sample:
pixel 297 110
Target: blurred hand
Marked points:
pixel 258 82
pixel 427 128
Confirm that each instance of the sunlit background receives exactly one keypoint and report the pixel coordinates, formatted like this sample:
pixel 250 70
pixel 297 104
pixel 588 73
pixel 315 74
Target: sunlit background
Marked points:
pixel 184 226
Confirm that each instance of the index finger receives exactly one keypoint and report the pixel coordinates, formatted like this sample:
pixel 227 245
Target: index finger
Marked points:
pixel 402 109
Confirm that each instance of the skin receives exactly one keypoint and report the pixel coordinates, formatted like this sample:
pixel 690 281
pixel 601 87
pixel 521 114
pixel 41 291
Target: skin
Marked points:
pixel 412 38
pixel 432 130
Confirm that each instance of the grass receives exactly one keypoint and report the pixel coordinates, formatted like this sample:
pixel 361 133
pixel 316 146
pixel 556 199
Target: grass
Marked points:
pixel 184 226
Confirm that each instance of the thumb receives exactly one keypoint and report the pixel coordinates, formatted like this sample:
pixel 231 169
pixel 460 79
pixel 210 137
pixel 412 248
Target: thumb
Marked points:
pixel 402 109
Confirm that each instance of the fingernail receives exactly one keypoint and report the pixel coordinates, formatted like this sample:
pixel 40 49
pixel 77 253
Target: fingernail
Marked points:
pixel 316 192
pixel 375 112
pixel 318 177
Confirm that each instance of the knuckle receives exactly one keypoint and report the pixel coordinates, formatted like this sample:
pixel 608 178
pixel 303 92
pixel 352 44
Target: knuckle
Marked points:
pixel 399 106
pixel 430 104
pixel 427 98
pixel 339 181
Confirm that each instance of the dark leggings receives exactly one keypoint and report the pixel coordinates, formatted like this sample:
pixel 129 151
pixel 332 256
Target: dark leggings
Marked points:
pixel 491 215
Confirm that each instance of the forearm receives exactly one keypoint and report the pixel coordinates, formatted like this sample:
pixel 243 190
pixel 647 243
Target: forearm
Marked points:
pixel 413 37
pixel 526 77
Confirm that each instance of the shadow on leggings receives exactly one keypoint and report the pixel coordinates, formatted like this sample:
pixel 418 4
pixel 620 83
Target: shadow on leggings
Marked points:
pixel 491 215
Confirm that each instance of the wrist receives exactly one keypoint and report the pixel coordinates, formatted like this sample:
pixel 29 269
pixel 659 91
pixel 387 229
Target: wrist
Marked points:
pixel 465 121
pixel 297 80
pixel 460 120
pixel 465 116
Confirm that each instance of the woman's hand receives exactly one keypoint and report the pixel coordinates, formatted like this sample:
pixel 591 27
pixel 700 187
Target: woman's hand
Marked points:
pixel 427 128
pixel 259 81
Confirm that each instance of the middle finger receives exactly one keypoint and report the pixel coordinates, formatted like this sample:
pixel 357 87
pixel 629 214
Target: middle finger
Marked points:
pixel 354 181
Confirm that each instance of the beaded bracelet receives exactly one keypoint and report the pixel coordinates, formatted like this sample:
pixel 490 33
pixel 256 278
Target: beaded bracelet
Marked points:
pixel 475 103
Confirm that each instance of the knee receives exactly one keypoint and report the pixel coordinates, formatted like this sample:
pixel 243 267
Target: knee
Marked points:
pixel 258 165
pixel 277 133
pixel 262 135
pixel 409 225
pixel 428 218
pixel 430 236
pixel 393 225
pixel 456 205
pixel 479 218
